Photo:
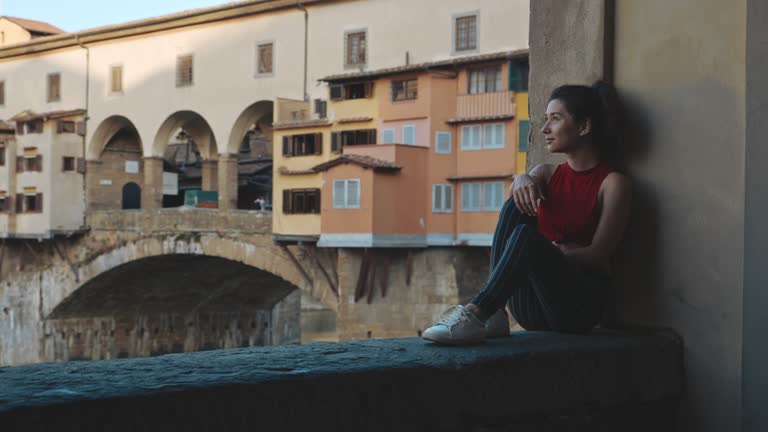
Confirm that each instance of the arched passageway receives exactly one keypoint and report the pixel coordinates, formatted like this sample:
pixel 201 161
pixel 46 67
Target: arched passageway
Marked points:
pixel 251 141
pixel 173 303
pixel 115 160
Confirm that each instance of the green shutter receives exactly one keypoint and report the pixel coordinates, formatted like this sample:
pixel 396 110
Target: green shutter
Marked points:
pixel 514 76
pixel 522 144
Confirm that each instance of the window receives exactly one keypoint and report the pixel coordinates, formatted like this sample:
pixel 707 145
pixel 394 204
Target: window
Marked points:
pixel 485 80
pixel 321 108
pixel 302 145
pixel 2 92
pixel 443 142
pixel 518 75
pixel 35 126
pixel 5 204
pixel 388 136
pixel 442 198
pixel 471 137
pixel 301 201
pixel 19 128
pixel 354 137
pixel 355 49
pixel 29 163
pixel 465 31
pixel 184 70
pixel 359 90
pixel 29 203
pixel 68 163
pixel 404 89
pixel 346 193
pixel 409 134
pixel 116 79
pixel 487 196
pixel 264 58
pixel 493 135
pixel 489 136
pixel 2 155
pixel 54 87
pixel 65 126
pixel 522 144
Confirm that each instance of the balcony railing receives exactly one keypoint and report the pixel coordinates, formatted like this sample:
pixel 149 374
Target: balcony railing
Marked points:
pixel 486 105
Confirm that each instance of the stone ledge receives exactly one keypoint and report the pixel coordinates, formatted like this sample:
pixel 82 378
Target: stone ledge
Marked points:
pixel 530 381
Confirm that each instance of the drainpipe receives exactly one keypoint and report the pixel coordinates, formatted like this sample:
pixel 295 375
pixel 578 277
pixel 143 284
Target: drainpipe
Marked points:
pixel 306 45
pixel 87 113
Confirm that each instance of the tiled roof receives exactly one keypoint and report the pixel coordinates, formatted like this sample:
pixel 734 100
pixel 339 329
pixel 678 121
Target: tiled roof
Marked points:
pixel 480 118
pixel 51 115
pixel 286 171
pixel 35 26
pixel 482 177
pixel 363 161
pixel 300 124
pixel 457 61
pixel 354 120
pixel 6 127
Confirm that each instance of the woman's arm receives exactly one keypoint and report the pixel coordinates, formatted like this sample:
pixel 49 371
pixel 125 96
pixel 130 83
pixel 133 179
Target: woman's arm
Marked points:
pixel 528 189
pixel 616 193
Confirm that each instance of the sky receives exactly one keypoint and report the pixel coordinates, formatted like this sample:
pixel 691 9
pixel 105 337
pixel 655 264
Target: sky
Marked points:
pixel 76 15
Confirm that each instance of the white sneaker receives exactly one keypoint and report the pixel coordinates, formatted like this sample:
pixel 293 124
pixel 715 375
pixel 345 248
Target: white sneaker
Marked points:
pixel 456 327
pixel 497 325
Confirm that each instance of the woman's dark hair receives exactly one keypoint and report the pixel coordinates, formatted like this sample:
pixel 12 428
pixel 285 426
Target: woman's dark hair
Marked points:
pixel 600 104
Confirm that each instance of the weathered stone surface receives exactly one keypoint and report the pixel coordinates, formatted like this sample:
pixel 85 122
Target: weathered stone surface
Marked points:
pixel 530 381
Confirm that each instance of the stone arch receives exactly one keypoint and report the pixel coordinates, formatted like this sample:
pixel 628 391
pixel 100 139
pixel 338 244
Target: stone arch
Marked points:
pixel 115 158
pixel 270 259
pixel 194 125
pixel 253 114
pixel 107 130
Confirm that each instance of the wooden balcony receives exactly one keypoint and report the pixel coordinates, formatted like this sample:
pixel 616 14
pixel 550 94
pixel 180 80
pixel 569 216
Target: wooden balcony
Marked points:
pixel 486 105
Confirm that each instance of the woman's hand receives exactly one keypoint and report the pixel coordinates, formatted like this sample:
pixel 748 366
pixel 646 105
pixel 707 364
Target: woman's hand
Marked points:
pixel 527 194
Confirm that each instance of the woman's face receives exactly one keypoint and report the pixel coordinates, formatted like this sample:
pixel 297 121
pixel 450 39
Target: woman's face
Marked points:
pixel 561 133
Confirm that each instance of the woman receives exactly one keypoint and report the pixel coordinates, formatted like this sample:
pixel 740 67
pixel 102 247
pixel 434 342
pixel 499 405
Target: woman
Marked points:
pixel 555 236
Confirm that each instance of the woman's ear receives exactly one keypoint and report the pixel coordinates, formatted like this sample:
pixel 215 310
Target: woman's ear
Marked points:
pixel 586 127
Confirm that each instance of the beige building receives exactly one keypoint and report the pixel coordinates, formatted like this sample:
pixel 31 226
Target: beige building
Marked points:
pixel 17 30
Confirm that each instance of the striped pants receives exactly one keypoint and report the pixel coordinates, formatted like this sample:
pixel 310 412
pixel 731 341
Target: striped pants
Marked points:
pixel 543 290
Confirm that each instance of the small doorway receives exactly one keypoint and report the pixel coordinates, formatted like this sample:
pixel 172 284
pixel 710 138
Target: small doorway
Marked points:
pixel 131 196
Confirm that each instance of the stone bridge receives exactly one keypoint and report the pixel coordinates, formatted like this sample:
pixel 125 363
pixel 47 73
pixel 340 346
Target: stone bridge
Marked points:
pixel 148 282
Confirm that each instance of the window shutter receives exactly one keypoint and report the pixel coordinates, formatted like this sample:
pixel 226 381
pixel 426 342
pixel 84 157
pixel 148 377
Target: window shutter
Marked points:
pixel 388 136
pixel 39 202
pixel 448 201
pixel 80 165
pixel 353 193
pixel 522 145
pixel 80 128
pixel 371 136
pixel 409 134
pixel 19 164
pixel 20 128
pixel 443 142
pixel 318 143
pixel 368 89
pixel 59 126
pixel 317 201
pixel 339 194
pixel 335 142
pixel 320 108
pixel 337 92
pixel 286 146
pixel 437 198
pixel 286 201
pixel 39 163
pixel 19 203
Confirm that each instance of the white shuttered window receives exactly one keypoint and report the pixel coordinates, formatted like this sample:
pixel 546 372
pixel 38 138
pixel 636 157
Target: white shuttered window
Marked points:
pixel 487 196
pixel 442 198
pixel 443 142
pixel 346 193
pixel 409 134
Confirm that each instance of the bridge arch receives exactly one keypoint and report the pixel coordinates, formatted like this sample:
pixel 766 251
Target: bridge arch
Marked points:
pixel 177 293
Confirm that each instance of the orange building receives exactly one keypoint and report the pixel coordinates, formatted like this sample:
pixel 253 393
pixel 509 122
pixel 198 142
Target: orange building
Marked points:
pixel 420 155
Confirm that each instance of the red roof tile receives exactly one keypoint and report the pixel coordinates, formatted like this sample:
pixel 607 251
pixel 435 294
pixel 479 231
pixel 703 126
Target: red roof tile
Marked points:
pixel 35 26
pixel 51 115
pixel 363 161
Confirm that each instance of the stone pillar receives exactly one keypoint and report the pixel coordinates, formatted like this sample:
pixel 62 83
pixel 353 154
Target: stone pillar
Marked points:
pixel 92 167
pixel 210 175
pixel 227 181
pixel 589 56
pixel 152 192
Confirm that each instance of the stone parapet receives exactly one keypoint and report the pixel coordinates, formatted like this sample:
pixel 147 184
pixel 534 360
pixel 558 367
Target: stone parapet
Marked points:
pixel 182 219
pixel 531 381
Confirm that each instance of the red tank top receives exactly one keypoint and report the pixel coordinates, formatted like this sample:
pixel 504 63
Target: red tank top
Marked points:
pixel 570 213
